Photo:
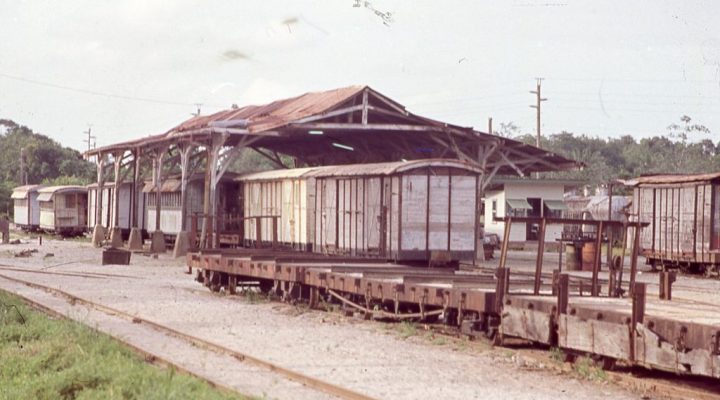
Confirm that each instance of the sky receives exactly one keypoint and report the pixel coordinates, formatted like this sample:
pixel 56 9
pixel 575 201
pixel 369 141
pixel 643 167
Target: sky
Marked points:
pixel 134 68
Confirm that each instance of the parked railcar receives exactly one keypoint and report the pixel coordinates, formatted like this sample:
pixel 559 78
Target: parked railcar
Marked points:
pixel 63 209
pixel 684 216
pixel 399 210
pixel 26 209
pixel 170 199
pixel 108 206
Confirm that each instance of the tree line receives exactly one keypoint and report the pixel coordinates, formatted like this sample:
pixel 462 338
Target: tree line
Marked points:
pixel 45 161
pixel 684 148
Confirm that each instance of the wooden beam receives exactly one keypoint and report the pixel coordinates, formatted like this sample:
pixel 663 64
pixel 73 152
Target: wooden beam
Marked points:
pixel 367 127
pixel 185 151
pixel 396 107
pixel 342 111
pixel 365 107
pixel 232 155
pixel 274 157
pixel 511 164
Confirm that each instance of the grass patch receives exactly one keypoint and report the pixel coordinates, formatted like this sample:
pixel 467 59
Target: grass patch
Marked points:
pixel 586 369
pixel 557 355
pixel 44 358
pixel 407 329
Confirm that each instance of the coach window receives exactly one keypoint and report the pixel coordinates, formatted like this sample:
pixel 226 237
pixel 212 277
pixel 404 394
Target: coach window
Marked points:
pixel 70 201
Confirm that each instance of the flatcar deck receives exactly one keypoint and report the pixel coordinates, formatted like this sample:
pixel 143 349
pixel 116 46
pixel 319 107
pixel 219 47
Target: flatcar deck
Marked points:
pixel 672 335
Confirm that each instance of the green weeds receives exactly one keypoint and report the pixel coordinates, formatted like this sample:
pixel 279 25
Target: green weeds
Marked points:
pixel 44 358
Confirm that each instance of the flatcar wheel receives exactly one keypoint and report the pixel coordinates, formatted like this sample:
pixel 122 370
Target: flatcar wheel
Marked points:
pixel 265 286
pixel 214 282
pixel 608 363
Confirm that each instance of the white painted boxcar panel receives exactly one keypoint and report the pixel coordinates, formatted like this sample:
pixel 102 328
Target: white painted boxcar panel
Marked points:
pixel 414 212
pixel 439 192
pixel 462 213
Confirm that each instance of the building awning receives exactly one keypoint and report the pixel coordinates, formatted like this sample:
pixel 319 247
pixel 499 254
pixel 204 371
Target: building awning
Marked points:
pixel 47 196
pixel 519 204
pixel 168 186
pixel 554 205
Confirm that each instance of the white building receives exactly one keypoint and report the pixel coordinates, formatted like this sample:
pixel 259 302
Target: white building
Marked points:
pixel 525 198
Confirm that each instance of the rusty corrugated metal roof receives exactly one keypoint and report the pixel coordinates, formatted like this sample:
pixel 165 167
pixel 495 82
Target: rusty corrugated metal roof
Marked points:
pixel 259 118
pixel 273 128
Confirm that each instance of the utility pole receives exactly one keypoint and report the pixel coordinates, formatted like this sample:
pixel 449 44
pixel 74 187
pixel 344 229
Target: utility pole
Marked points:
pixel 536 106
pixel 90 138
pixel 198 105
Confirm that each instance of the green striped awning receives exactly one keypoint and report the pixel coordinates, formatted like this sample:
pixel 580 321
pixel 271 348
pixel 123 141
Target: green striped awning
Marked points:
pixel 555 205
pixel 519 204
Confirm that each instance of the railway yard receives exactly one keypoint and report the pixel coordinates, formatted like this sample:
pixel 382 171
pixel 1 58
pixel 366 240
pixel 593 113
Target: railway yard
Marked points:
pixel 282 348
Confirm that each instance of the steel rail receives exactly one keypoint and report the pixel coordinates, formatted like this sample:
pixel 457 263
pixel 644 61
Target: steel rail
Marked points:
pixel 93 275
pixel 298 377
pixel 148 356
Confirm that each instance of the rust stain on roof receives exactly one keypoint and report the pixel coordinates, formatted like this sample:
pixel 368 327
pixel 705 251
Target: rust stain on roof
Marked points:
pixel 259 118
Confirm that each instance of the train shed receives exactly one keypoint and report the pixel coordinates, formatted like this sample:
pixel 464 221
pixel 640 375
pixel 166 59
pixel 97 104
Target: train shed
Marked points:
pixel 350 125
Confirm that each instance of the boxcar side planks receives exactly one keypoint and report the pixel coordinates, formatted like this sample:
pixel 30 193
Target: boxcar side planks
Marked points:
pixel 399 210
pixel 684 216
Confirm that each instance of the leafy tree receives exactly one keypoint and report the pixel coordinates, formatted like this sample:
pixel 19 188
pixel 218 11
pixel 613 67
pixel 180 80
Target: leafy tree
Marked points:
pixel 45 161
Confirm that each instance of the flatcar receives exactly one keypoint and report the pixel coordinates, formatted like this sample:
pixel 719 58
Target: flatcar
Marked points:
pixel 63 209
pixel 683 212
pixel 108 207
pixel 26 209
pixel 403 211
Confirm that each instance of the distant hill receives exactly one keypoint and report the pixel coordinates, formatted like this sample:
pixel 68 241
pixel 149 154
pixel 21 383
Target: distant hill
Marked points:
pixel 46 161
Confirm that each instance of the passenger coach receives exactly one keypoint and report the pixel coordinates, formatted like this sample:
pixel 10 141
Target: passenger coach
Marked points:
pixel 63 209
pixel 26 209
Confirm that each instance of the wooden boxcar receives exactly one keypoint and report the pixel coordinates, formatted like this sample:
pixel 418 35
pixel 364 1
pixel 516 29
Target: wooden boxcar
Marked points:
pixel 26 209
pixel 108 209
pixel 63 209
pixel 398 210
pixel 684 216
pixel 170 196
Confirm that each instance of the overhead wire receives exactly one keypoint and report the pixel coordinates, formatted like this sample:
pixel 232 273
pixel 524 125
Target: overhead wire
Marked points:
pixel 99 93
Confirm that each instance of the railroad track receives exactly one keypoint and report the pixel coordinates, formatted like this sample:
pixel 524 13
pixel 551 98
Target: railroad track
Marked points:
pixel 91 275
pixel 298 377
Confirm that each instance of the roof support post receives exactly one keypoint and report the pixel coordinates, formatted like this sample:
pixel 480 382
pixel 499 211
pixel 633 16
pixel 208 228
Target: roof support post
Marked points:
pixel 207 238
pixel 182 240
pixel 185 150
pixel 99 230
pixel 135 241
pixel 115 232
pixel 157 244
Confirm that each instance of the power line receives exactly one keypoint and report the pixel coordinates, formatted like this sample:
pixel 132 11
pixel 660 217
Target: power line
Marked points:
pixel 95 92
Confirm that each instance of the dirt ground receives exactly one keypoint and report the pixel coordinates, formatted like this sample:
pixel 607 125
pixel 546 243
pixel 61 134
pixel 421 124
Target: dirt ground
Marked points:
pixel 389 361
